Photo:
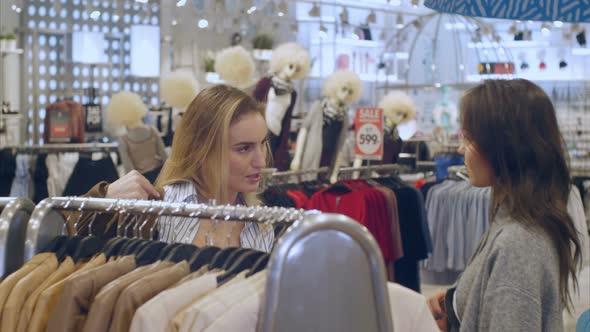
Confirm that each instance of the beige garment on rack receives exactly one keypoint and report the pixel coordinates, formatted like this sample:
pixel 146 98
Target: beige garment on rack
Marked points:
pixel 79 292
pixel 204 311
pixel 65 269
pixel 102 308
pixel 242 315
pixel 142 290
pixel 22 290
pixel 50 296
pixel 8 283
pixel 156 314
pixel 176 322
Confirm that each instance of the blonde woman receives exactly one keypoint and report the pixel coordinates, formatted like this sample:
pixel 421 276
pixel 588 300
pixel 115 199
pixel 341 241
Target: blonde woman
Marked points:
pixel 219 151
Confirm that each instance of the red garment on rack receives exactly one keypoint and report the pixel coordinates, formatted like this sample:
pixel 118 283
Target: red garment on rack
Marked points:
pixel 368 206
pixel 299 198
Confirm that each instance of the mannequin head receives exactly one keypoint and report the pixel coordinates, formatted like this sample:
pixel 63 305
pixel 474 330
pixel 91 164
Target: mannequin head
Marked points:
pixel 235 67
pixel 126 109
pixel 179 88
pixel 343 88
pixel 398 108
pixel 290 61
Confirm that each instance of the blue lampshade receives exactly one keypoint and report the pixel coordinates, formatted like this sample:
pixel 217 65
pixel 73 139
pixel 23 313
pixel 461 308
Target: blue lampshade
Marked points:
pixel 535 10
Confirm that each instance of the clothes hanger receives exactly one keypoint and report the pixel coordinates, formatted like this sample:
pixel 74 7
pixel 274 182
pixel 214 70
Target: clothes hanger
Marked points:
pixel 234 256
pixel 220 257
pixel 90 245
pixel 167 249
pixel 245 261
pixel 184 252
pixel 202 257
pixel 260 265
pixel 150 253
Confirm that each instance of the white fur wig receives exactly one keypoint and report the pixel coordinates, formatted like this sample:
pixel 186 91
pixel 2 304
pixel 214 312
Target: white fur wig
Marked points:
pixel 398 108
pixel 125 109
pixel 291 53
pixel 342 78
pixel 179 88
pixel 235 67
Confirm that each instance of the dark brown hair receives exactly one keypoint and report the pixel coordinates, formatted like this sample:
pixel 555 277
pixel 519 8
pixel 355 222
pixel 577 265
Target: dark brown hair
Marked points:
pixel 513 124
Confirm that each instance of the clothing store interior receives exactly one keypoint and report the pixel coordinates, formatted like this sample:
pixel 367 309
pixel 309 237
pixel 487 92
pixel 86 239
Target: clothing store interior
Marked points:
pixel 294 165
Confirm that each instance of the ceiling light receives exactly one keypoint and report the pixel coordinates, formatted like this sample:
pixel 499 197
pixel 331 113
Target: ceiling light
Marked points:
pixel 558 24
pixel 174 23
pixel 315 10
pixel 203 23
pixel 142 1
pixel 95 15
pixel 344 15
pixel 283 6
pixel 281 14
pixel 16 8
pixel 181 3
pixel 545 29
pixel 323 30
pixel 513 29
pixel 251 10
pixel 399 21
pixel 372 17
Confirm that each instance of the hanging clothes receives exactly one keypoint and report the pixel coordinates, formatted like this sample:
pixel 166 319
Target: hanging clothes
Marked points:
pixel 60 167
pixel 143 150
pixel 40 179
pixel 7 171
pixel 22 185
pixel 159 294
pixel 88 172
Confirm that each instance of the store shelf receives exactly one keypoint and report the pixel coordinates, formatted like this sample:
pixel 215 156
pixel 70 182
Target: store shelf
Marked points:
pixel 536 77
pixel 371 78
pixel 15 51
pixel 346 42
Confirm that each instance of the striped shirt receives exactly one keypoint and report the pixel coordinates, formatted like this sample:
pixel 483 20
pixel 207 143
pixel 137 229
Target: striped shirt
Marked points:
pixel 184 229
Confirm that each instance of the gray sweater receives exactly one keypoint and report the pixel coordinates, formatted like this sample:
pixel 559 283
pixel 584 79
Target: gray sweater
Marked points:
pixel 512 281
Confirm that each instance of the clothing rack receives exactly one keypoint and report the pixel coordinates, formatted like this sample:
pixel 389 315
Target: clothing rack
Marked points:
pixel 46 223
pixel 62 148
pixel 353 172
pixel 14 218
pixel 299 264
pixel 273 178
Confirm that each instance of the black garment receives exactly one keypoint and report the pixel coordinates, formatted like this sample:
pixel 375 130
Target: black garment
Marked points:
pixel 87 173
pixel 153 174
pixel 40 179
pixel 7 172
pixel 274 197
pixel 415 235
pixel 392 146
pixel 330 136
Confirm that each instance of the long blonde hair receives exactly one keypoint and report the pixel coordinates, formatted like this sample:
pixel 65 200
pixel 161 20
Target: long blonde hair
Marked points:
pixel 199 150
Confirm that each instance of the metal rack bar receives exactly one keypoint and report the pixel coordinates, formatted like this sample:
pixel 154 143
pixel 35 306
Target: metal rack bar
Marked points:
pixel 74 147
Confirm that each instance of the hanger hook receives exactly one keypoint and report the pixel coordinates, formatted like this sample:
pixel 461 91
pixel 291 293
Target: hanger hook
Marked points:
pixel 80 209
pixel 147 218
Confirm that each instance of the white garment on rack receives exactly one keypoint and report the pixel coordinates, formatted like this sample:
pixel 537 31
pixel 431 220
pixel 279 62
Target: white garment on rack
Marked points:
pixel 205 311
pixel 184 229
pixel 156 314
pixel 60 168
pixel 409 312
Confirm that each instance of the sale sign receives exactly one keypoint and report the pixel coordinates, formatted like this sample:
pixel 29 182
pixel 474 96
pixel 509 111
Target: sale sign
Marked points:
pixel 368 130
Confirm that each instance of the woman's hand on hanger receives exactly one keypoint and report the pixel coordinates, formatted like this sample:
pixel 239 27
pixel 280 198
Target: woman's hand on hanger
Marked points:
pixel 132 185
pixel 436 303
